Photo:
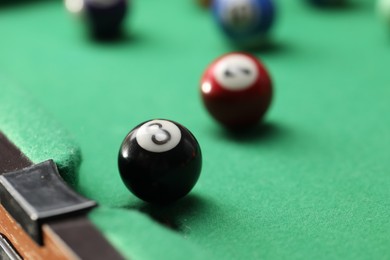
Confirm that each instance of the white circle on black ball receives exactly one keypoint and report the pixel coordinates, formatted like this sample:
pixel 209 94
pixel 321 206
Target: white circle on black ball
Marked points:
pixel 236 72
pixel 239 14
pixel 158 136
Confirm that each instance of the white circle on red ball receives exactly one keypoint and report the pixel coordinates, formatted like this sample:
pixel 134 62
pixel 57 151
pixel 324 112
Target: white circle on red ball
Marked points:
pixel 236 72
pixel 158 136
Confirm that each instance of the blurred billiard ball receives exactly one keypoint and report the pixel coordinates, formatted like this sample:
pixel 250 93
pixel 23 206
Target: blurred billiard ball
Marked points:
pixel 204 3
pixel 245 22
pixel 160 161
pixel 236 90
pixel 103 18
pixel 383 9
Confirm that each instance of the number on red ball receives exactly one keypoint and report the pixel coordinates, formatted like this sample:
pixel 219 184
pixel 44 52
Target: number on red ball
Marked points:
pixel 236 90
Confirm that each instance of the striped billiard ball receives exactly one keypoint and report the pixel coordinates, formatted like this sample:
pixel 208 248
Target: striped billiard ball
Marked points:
pixel 245 22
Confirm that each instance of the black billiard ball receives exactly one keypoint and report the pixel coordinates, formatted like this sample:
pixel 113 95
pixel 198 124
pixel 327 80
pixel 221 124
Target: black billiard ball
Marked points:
pixel 103 18
pixel 160 161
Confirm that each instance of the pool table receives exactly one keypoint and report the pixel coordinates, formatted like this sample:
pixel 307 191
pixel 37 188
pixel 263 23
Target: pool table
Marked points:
pixel 312 181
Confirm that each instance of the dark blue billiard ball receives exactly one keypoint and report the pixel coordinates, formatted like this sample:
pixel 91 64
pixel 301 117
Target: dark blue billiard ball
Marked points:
pixel 103 18
pixel 245 22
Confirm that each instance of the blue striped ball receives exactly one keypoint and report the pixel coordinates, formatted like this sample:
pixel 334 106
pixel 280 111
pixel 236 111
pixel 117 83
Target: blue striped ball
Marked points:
pixel 245 22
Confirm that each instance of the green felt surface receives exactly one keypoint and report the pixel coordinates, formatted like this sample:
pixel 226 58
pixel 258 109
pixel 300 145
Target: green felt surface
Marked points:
pixel 312 183
pixel 35 132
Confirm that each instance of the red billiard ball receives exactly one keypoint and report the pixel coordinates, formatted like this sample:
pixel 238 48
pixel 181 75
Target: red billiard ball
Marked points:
pixel 236 90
